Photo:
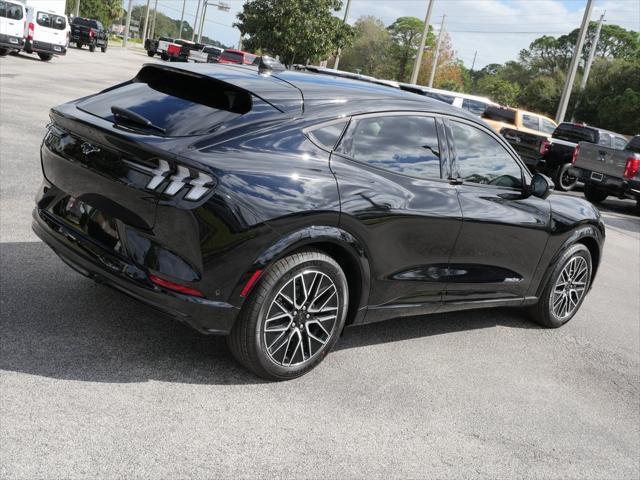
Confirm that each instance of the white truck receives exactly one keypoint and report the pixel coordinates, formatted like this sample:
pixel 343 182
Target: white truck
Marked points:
pixel 46 28
pixel 12 15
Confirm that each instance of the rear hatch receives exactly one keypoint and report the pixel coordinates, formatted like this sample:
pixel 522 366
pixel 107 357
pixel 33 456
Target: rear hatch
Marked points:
pixel 11 23
pixel 118 152
pixel 81 28
pixel 50 31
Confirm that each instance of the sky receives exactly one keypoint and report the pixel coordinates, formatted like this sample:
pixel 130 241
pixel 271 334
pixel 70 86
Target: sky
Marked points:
pixel 496 29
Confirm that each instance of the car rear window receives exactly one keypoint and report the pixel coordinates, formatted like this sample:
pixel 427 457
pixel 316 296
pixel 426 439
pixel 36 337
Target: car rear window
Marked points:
pixel 181 103
pixel 51 20
pixel 500 114
pixel 85 22
pixel 575 133
pixel 232 56
pixel 10 10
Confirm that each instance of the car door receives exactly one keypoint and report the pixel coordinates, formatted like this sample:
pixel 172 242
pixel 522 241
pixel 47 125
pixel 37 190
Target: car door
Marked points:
pixel 11 22
pixel 504 231
pixel 390 170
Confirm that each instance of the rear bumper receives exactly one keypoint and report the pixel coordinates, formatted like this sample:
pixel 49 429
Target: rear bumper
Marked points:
pixel 11 42
pixel 612 185
pixel 84 256
pixel 43 47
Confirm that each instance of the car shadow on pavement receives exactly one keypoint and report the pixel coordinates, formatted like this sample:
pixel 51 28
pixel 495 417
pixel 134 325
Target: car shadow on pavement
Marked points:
pixel 56 323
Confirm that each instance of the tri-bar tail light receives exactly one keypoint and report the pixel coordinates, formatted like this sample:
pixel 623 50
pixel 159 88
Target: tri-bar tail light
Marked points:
pixel 170 181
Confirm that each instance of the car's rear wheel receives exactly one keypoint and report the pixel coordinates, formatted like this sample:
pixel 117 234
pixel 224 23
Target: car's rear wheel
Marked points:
pixel 292 318
pixel 563 180
pixel 151 53
pixel 3 52
pixel 78 44
pixel 92 47
pixel 594 194
pixel 565 289
pixel 45 57
pixel 164 56
pixel 103 49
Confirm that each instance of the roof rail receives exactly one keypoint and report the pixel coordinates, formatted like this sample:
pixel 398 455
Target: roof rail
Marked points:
pixel 344 74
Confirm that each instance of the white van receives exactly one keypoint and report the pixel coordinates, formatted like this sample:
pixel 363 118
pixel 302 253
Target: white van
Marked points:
pixel 12 15
pixel 47 30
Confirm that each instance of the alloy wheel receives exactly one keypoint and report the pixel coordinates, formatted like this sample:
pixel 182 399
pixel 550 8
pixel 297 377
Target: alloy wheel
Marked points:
pixel 301 318
pixel 570 287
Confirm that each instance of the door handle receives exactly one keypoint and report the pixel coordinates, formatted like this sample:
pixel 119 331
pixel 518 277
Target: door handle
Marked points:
pixel 455 181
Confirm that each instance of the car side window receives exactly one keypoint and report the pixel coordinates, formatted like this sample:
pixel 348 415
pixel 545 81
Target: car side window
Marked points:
pixel 474 106
pixel 605 139
pixel 481 159
pixel 531 121
pixel 619 143
pixel 547 126
pixel 403 144
pixel 328 136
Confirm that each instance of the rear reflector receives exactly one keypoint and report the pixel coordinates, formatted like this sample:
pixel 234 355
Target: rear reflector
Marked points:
pixel 631 167
pixel 254 278
pixel 175 286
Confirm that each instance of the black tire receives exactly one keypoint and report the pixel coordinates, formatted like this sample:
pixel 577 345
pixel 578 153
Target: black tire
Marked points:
pixel 564 182
pixel 151 53
pixel 543 312
pixel 45 57
pixel 248 338
pixel 164 56
pixel 103 49
pixel 92 47
pixel 594 194
pixel 78 44
pixel 3 52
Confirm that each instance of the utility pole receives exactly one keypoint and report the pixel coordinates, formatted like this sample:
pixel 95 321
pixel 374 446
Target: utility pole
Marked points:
pixel 146 22
pixel 204 15
pixel 346 15
pixel 587 65
pixel 566 92
pixel 195 21
pixel 126 27
pixel 473 64
pixel 423 40
pixel 153 24
pixel 77 8
pixel 435 56
pixel 184 4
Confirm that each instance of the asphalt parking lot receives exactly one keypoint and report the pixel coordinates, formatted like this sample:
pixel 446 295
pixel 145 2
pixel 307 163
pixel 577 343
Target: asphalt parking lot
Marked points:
pixel 93 384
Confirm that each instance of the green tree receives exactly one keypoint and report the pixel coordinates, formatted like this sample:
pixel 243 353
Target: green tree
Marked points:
pixel 296 30
pixel 499 90
pixel 106 11
pixel 405 33
pixel 371 51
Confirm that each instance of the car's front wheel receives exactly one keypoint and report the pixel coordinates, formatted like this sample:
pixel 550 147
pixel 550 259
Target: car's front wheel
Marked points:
pixel 3 52
pixel 566 288
pixel 45 57
pixel 92 47
pixel 293 316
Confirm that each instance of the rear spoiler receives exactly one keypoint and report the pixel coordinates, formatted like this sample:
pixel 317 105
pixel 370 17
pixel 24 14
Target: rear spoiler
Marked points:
pixel 243 78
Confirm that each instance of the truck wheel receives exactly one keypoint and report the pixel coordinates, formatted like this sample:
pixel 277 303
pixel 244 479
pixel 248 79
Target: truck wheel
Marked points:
pixel 92 47
pixel 564 181
pixel 151 53
pixel 45 57
pixel 594 194
pixel 164 56
pixel 104 48
pixel 78 44
pixel 3 52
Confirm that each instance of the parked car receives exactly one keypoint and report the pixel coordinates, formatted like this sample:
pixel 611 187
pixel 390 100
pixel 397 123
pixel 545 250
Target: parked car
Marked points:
pixel 558 152
pixel 46 32
pixel 205 190
pixel 159 46
pixel 608 170
pixel 11 26
pixel 208 54
pixel 236 56
pixel 472 103
pixel 86 31
pixel 524 130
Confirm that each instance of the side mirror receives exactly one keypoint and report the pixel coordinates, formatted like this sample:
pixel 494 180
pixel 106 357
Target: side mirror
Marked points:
pixel 541 186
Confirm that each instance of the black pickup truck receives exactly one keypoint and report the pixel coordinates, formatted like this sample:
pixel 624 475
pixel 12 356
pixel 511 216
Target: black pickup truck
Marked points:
pixel 558 153
pixel 85 31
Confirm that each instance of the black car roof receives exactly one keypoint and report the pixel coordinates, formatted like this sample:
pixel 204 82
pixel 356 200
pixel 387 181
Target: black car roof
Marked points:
pixel 298 92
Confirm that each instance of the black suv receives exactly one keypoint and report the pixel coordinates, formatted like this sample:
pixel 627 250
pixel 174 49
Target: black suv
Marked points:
pixel 85 31
pixel 276 207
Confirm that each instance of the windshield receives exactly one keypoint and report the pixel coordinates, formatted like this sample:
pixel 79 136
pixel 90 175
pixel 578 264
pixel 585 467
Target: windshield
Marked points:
pixel 575 133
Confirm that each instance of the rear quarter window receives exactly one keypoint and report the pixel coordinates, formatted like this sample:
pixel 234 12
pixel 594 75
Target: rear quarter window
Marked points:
pixel 530 121
pixel 11 11
pixel 329 135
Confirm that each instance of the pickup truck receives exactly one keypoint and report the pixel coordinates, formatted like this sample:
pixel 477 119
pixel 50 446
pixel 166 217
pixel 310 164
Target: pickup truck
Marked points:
pixel 608 171
pixel 558 152
pixel 160 46
pixel 86 31
pixel 209 54
pixel 525 131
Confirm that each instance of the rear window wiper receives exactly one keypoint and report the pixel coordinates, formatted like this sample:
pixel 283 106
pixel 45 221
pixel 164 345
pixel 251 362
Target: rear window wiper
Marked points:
pixel 131 116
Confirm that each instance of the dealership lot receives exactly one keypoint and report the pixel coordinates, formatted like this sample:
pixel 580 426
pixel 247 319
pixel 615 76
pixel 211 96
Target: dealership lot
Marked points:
pixel 95 384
